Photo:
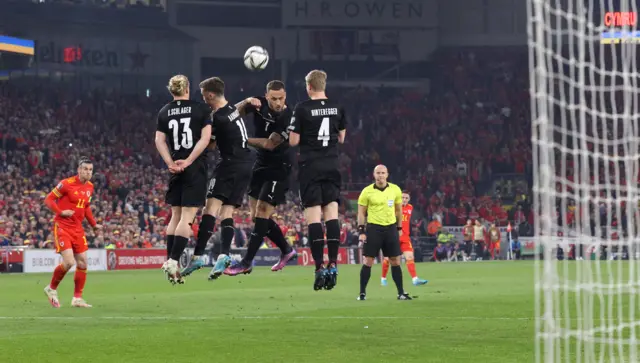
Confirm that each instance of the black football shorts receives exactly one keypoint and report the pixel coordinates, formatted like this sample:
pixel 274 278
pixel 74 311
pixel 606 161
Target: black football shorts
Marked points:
pixel 189 188
pixel 229 183
pixel 269 185
pixel 383 238
pixel 319 184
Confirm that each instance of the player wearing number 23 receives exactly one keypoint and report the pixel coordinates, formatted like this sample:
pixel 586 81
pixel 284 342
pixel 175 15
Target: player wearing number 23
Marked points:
pixel 182 122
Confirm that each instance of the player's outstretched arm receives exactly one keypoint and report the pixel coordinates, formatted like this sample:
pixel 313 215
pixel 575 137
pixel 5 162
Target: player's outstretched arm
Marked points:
pixel 163 149
pixel 295 127
pixel 271 143
pixel 251 101
pixel 205 138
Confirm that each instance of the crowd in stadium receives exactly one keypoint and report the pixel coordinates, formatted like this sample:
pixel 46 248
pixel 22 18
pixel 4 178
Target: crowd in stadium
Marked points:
pixel 440 147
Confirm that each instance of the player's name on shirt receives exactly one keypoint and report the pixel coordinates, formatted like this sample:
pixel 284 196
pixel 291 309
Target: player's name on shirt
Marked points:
pixel 179 111
pixel 234 115
pixel 324 112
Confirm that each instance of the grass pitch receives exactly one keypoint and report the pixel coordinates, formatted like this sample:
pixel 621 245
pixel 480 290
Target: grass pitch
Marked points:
pixel 478 312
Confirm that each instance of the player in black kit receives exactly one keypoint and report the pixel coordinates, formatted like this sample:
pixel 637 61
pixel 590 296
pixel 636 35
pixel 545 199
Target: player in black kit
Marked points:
pixel 270 178
pixel 230 180
pixel 318 125
pixel 183 132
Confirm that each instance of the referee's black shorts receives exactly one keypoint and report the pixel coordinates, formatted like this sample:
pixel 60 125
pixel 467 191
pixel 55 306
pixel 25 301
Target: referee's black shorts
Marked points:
pixel 383 238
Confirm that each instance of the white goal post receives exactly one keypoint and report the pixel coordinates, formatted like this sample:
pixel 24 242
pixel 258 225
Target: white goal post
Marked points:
pixel 585 106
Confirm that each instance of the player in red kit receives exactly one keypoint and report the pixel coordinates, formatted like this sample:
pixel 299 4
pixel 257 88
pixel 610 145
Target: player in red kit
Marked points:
pixel 69 201
pixel 405 245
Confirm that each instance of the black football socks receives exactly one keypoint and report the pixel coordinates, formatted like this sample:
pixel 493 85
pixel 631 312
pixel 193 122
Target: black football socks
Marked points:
pixel 256 240
pixel 205 231
pixel 316 240
pixel 170 239
pixel 179 244
pixel 396 274
pixel 226 234
pixel 365 275
pixel 275 234
pixel 333 240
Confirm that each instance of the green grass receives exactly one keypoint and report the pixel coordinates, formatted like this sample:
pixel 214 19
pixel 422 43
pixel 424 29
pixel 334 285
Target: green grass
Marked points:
pixel 469 312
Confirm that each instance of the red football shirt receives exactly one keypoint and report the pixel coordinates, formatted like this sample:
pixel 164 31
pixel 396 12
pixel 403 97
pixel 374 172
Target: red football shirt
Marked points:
pixel 73 195
pixel 406 220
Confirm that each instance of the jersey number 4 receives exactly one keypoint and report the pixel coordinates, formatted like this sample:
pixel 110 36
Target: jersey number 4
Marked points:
pixel 323 134
pixel 181 139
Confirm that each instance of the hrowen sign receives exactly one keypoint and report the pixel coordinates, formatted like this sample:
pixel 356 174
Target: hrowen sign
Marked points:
pixel 360 13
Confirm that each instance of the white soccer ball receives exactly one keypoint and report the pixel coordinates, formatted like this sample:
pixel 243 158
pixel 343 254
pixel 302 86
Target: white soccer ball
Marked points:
pixel 256 58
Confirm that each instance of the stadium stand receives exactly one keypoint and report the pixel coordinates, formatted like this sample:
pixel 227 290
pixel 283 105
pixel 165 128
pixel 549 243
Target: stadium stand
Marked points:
pixel 455 149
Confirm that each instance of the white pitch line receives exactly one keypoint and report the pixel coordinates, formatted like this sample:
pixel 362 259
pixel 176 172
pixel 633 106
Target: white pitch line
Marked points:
pixel 195 318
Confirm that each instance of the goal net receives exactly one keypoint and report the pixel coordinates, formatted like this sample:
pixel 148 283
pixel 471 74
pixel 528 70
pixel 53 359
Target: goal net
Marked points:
pixel 585 124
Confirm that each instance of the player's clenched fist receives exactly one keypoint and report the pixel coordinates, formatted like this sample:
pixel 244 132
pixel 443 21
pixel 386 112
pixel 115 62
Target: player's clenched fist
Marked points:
pixel 66 213
pixel 254 102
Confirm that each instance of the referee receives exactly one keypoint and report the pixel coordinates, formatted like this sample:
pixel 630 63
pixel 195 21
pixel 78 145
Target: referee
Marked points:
pixel 381 203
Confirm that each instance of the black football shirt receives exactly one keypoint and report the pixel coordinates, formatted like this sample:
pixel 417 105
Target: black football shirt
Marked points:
pixel 182 121
pixel 230 133
pixel 318 122
pixel 265 122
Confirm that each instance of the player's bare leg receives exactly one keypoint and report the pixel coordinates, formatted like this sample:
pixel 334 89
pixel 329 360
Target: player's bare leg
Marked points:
pixel 316 241
pixel 79 280
pixel 411 267
pixel 330 213
pixel 68 261
pixel 210 212
pixel 385 271
pixel 226 235
pixel 182 233
pixel 176 214
pixel 396 275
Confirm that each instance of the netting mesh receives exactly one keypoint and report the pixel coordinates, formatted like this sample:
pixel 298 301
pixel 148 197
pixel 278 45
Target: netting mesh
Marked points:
pixel 586 152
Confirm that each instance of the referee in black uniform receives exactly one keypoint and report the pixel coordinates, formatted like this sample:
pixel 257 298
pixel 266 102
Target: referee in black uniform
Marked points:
pixel 381 203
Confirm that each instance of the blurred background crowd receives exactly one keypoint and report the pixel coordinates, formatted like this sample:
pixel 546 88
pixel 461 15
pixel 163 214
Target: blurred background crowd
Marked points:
pixel 462 151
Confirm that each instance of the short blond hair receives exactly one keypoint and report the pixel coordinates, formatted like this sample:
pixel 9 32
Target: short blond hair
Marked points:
pixel 316 80
pixel 178 85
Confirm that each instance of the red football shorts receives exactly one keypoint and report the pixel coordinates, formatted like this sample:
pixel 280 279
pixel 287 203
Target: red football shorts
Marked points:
pixel 495 246
pixel 405 245
pixel 65 239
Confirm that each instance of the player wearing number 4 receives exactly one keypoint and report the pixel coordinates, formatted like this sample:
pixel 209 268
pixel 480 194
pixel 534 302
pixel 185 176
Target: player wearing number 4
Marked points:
pixel 319 125
pixel 69 200
pixel 182 136
pixel 231 178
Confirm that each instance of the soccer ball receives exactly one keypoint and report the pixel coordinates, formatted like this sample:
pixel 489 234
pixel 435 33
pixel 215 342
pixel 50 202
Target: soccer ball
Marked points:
pixel 256 58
